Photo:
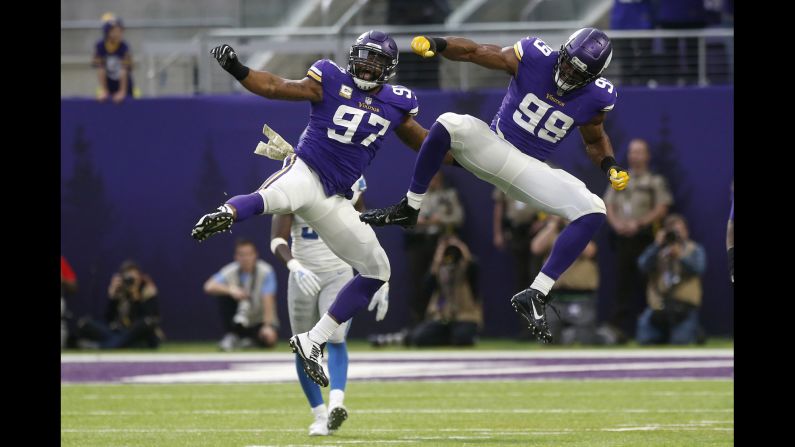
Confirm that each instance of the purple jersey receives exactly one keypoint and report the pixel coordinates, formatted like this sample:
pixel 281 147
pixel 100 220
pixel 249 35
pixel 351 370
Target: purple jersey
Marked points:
pixel 348 125
pixel 113 59
pixel 532 116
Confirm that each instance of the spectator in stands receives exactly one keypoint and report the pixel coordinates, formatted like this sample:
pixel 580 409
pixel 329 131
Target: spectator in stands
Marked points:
pixel 132 318
pixel 674 264
pixel 246 293
pixel 575 290
pixel 633 55
pixel 444 214
pixel 68 287
pixel 454 313
pixel 632 214
pixel 113 61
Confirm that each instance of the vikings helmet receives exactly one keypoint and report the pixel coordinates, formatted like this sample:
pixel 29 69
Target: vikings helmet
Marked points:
pixel 373 59
pixel 582 59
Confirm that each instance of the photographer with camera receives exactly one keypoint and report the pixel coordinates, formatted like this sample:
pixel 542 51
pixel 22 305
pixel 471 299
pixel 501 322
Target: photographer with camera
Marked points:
pixel 674 264
pixel 132 318
pixel 246 293
pixel 454 313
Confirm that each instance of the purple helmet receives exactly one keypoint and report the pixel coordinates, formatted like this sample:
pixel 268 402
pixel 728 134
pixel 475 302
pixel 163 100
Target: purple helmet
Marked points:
pixel 373 59
pixel 582 59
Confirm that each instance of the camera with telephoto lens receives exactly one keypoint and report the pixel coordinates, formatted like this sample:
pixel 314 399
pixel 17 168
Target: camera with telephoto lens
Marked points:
pixel 127 280
pixel 671 237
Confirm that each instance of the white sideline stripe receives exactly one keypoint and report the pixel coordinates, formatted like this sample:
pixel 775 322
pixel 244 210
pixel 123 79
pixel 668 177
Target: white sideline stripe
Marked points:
pixel 402 355
pixel 364 411
pixel 265 372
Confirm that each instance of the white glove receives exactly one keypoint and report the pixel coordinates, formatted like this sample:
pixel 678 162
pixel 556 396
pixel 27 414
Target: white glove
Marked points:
pixel 276 148
pixel 307 281
pixel 381 301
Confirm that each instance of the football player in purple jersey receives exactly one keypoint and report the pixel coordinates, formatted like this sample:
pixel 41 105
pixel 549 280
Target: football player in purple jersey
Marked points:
pixel 550 93
pixel 352 109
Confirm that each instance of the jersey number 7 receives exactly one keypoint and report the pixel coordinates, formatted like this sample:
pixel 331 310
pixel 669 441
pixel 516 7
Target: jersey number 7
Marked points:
pixel 352 123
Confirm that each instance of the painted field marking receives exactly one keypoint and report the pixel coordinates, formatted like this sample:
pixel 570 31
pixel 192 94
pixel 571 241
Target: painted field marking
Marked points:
pixel 365 411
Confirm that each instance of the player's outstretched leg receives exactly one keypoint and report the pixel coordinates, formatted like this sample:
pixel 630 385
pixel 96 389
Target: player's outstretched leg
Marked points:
pixel 312 392
pixel 354 297
pixel 429 160
pixel 531 302
pixel 338 370
pixel 237 209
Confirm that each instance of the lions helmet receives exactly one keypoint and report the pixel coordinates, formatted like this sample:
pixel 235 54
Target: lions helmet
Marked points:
pixel 582 58
pixel 373 59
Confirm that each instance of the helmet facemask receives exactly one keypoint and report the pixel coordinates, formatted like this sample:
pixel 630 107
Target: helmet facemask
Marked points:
pixel 370 66
pixel 569 75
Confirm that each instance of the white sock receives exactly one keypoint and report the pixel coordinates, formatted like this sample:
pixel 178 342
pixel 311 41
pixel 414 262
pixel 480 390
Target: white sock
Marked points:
pixel 543 283
pixel 335 398
pixel 414 199
pixel 320 412
pixel 323 329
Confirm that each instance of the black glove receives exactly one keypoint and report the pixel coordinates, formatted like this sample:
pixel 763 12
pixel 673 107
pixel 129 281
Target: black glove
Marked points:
pixel 227 58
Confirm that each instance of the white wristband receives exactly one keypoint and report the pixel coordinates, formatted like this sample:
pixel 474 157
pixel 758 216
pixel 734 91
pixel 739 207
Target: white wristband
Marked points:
pixel 275 242
pixel 293 265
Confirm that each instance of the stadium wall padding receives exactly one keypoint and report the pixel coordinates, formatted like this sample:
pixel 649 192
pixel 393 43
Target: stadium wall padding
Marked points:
pixel 135 178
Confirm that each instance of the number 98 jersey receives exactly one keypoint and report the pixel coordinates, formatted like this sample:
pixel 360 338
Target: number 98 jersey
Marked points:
pixel 348 125
pixel 532 116
pixel 309 249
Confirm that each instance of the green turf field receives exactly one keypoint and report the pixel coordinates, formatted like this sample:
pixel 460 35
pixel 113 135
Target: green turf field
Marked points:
pixel 517 413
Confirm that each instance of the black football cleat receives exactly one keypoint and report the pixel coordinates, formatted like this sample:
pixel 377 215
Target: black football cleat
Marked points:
pixel 311 355
pixel 401 214
pixel 336 416
pixel 218 221
pixel 531 304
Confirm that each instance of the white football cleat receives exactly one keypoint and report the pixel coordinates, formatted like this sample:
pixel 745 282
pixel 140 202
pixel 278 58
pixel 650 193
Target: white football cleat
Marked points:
pixel 311 355
pixel 319 427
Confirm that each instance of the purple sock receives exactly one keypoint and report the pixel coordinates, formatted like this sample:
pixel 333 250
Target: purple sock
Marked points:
pixel 430 158
pixel 353 297
pixel 571 243
pixel 247 206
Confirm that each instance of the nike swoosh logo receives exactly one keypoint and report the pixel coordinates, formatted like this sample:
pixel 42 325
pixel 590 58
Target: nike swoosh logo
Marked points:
pixel 388 220
pixel 535 314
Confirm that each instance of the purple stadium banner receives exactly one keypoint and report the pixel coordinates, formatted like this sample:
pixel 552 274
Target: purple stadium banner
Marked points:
pixel 135 178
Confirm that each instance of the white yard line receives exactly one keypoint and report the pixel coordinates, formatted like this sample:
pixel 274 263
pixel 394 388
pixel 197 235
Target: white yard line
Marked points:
pixel 399 355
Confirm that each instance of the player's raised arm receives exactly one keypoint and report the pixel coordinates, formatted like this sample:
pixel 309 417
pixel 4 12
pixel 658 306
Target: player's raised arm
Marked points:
pixel 465 50
pixel 264 83
pixel 600 151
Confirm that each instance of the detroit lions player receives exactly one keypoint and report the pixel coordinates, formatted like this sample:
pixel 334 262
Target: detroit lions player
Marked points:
pixel 316 277
pixel 351 111
pixel 550 92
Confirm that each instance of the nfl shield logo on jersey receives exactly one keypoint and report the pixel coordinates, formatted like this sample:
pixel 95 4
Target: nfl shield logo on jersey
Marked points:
pixel 368 100
pixel 346 91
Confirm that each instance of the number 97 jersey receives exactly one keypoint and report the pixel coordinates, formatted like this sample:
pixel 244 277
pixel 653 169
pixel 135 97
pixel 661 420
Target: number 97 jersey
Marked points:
pixel 348 125
pixel 533 117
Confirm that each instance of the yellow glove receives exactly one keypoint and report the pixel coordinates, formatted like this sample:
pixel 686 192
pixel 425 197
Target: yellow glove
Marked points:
pixel 619 178
pixel 423 46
